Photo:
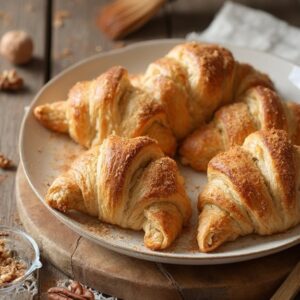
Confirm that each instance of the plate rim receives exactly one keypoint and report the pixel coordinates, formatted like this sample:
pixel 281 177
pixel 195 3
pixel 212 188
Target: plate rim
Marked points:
pixel 157 256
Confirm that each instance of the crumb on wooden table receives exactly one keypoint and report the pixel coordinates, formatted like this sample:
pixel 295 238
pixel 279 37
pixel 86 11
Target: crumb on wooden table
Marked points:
pixel 5 17
pixel 98 48
pixel 66 53
pixel 5 163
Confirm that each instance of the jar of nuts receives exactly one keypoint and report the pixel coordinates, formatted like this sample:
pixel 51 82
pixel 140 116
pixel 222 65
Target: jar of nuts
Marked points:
pixel 19 262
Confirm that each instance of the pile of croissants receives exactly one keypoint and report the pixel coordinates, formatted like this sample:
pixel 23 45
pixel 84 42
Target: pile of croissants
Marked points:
pixel 224 117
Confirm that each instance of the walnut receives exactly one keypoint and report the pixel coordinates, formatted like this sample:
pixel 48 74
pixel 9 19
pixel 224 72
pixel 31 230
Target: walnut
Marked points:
pixel 16 46
pixel 5 163
pixel 74 291
pixel 10 81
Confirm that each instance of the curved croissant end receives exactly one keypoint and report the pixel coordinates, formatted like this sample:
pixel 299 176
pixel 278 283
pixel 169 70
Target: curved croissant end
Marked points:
pixel 53 116
pixel 203 144
pixel 129 183
pixel 163 224
pixel 64 194
pixel 215 228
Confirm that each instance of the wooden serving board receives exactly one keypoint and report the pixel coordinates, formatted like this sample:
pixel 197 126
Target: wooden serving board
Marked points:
pixel 131 278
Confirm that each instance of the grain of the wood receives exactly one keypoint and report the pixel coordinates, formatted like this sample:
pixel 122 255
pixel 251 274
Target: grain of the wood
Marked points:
pixel 130 278
pixel 18 15
pixel 290 286
pixel 78 36
pixel 29 16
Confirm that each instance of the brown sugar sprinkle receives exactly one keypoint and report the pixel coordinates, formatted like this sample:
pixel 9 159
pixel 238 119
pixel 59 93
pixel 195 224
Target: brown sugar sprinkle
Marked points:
pixel 5 163
pixel 59 18
pixel 11 268
pixel 10 81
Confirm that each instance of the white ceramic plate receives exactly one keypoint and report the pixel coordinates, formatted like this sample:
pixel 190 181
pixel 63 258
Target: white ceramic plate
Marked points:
pixel 45 154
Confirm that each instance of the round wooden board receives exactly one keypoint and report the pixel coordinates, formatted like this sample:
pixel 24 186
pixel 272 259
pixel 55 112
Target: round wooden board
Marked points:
pixel 131 278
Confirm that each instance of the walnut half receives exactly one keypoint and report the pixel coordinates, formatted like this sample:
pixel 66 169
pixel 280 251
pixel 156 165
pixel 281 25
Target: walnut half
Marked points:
pixel 10 81
pixel 5 163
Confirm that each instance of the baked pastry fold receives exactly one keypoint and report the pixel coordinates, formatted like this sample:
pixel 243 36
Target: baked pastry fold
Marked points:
pixel 129 183
pixel 253 188
pixel 258 108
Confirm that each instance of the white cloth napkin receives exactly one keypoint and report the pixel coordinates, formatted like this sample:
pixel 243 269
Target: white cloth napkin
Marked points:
pixel 247 27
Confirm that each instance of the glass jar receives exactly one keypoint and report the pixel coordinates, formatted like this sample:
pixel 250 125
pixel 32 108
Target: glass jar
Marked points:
pixel 27 251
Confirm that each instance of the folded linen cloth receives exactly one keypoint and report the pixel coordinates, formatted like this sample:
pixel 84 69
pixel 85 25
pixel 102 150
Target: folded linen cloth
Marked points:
pixel 247 27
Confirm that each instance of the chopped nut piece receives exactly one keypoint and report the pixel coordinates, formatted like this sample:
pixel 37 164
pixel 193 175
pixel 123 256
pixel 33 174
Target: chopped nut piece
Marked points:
pixel 74 291
pixel 59 18
pixel 11 268
pixel 10 81
pixel 65 54
pixel 5 163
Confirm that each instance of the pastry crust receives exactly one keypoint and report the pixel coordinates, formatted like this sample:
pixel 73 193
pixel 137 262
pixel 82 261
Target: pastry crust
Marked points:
pixel 177 93
pixel 251 189
pixel 127 182
pixel 258 108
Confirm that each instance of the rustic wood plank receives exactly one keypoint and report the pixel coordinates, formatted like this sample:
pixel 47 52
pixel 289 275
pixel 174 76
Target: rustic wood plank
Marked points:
pixel 290 287
pixel 18 15
pixel 131 278
pixel 78 36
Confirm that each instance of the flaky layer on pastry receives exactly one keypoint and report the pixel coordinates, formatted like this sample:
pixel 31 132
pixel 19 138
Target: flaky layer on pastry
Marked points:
pixel 254 188
pixel 127 182
pixel 258 108
pixel 176 94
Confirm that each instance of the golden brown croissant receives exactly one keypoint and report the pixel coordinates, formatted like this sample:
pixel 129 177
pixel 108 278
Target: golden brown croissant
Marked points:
pixel 108 105
pixel 259 108
pixel 252 188
pixel 176 94
pixel 127 182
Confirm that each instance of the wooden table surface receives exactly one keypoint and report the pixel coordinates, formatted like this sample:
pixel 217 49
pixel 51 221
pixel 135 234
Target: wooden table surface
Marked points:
pixel 58 46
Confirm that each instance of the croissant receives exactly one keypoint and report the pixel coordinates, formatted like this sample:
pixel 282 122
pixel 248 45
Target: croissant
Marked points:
pixel 259 108
pixel 176 94
pixel 126 182
pixel 253 188
pixel 108 105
